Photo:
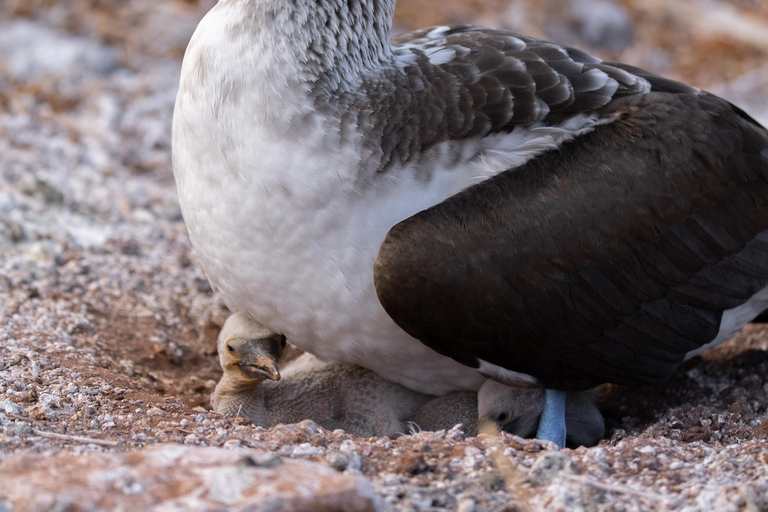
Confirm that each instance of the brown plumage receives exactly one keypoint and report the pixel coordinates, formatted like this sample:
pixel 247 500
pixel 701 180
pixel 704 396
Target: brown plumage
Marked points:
pixel 607 260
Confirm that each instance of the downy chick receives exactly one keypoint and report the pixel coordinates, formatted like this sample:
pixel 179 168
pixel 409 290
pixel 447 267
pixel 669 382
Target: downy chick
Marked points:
pixel 333 395
pixel 517 411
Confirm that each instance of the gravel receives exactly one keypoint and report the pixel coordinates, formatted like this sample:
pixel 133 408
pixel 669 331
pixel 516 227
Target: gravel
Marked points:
pixel 108 325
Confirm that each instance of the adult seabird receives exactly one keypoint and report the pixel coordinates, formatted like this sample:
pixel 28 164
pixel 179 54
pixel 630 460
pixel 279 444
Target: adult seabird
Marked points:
pixel 528 212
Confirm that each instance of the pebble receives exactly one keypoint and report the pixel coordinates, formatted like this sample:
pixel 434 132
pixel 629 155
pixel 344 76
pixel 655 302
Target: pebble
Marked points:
pixel 11 408
pixel 355 463
pixel 549 466
pixel 309 426
pixel 337 461
pixel 306 449
pixel 492 481
pixel 466 505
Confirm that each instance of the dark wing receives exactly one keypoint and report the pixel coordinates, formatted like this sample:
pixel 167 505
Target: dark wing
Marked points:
pixel 464 82
pixel 606 260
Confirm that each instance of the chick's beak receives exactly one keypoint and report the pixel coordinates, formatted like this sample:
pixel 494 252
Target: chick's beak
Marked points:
pixel 260 367
pixel 270 371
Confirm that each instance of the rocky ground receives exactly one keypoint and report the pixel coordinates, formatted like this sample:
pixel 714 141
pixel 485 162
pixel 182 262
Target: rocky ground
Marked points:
pixel 108 325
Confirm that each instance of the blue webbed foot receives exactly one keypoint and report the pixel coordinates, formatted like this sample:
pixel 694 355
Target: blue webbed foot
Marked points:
pixel 552 422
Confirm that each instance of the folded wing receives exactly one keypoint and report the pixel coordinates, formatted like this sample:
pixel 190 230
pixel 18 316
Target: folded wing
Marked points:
pixel 606 260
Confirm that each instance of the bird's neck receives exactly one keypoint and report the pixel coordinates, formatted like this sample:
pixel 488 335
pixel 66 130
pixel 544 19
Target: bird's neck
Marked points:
pixel 329 40
pixel 236 398
pixel 229 385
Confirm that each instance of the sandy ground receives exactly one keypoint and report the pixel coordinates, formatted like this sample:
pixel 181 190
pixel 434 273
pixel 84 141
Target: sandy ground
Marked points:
pixel 108 325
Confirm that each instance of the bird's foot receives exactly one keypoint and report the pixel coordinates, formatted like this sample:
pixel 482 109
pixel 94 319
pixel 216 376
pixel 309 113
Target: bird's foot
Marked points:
pixel 552 422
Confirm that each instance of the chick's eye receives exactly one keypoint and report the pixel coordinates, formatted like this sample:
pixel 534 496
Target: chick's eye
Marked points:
pixel 282 342
pixel 230 348
pixel 503 417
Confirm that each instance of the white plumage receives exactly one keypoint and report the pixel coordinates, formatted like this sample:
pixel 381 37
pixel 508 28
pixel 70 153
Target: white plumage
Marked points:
pixel 271 193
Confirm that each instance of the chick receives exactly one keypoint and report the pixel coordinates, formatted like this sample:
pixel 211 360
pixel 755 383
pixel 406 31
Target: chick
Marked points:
pixel 333 395
pixel 445 412
pixel 517 411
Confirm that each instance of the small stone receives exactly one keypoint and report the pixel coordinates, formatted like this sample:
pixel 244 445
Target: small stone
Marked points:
pixel 466 505
pixel 318 440
pixel 272 462
pixel 19 429
pixel 306 449
pixel 355 463
pixel 618 435
pixel 309 426
pixel 599 457
pixel 456 434
pixel 347 446
pixel 11 408
pixel 246 462
pixel 549 465
pixel 337 461
pixel 593 497
pixel 492 481
pixel 440 500
pixel 232 443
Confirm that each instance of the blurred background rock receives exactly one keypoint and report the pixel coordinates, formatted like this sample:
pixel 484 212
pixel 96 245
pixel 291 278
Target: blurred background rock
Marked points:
pixel 720 45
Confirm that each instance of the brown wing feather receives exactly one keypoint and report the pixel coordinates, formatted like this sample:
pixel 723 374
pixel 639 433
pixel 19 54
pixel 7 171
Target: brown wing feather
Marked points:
pixel 604 261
